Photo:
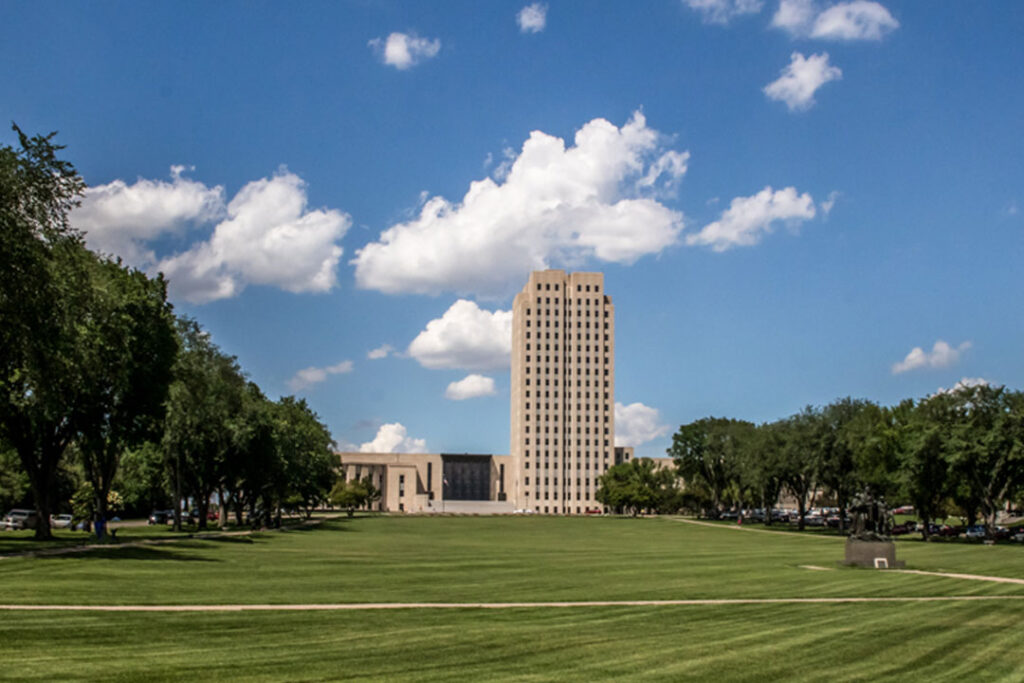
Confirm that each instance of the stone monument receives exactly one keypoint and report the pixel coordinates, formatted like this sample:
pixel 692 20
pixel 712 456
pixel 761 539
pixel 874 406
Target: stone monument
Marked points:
pixel 870 542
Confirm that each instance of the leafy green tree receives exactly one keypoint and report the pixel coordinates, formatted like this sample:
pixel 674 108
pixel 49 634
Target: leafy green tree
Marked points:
pixel 637 485
pixel 920 436
pixel 253 461
pixel 760 466
pixel 126 363
pixel 204 401
pixel 13 480
pixel 142 479
pixel 706 453
pixel 43 298
pixel 986 447
pixel 843 429
pixel 349 494
pixel 800 461
pixel 304 444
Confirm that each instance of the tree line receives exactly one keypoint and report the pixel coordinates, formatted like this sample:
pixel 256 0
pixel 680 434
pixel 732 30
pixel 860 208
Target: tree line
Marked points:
pixel 958 452
pixel 109 399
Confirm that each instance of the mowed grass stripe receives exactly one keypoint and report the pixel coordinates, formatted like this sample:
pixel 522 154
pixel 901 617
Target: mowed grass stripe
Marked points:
pixel 922 641
pixel 491 560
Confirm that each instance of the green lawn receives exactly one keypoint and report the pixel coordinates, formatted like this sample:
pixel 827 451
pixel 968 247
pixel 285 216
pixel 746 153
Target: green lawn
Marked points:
pixel 480 559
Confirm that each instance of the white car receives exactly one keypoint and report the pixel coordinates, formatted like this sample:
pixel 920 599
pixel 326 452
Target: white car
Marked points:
pixel 20 519
pixel 61 521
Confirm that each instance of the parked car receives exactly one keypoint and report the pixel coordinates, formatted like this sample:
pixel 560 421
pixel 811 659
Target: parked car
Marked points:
pixel 900 529
pixel 1017 534
pixel 61 521
pixel 975 532
pixel 20 519
pixel 160 517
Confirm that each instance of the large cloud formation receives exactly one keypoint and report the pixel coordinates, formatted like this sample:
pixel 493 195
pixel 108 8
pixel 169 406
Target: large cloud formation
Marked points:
pixel 466 337
pixel 557 206
pixel 118 219
pixel 266 235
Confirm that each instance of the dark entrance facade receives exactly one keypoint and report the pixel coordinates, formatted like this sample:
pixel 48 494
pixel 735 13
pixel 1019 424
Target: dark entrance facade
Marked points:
pixel 466 477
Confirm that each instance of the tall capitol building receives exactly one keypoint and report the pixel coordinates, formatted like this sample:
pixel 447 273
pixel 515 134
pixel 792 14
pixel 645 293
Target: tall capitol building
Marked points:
pixel 563 391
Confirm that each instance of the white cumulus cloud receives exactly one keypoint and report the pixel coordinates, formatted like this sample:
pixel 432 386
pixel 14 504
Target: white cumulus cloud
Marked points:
pixel 856 20
pixel 380 352
pixel 465 337
pixel 532 18
pixel 471 386
pixel 942 355
pixel 268 238
pixel 723 11
pixel 405 50
pixel 801 79
pixel 264 236
pixel 964 383
pixel 749 218
pixel 307 377
pixel 636 424
pixel 556 206
pixel 393 438
pixel 118 218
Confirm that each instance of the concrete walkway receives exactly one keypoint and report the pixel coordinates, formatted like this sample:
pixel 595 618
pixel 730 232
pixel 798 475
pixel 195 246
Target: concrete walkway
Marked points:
pixel 494 605
pixel 740 527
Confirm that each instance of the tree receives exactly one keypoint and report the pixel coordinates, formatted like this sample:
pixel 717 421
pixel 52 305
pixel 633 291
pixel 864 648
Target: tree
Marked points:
pixel 920 435
pixel 43 298
pixel 760 466
pixel 126 361
pixel 706 453
pixel 987 446
pixel 349 494
pixel 842 430
pixel 142 479
pixel 203 401
pixel 253 461
pixel 636 485
pixel 13 480
pixel 304 444
pixel 800 462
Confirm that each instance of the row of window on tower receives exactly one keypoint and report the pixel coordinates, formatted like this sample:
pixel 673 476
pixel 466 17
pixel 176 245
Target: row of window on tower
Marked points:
pixel 568 442
pixel 579 335
pixel 568 349
pixel 546 286
pixel 580 303
pixel 579 324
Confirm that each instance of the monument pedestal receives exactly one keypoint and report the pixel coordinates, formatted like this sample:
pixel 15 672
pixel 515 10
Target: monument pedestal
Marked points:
pixel 872 554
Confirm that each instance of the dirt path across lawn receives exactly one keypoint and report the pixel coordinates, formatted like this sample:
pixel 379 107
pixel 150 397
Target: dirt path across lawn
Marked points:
pixel 740 527
pixel 493 605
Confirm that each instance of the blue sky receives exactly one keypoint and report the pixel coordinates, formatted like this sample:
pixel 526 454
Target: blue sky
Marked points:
pixel 791 202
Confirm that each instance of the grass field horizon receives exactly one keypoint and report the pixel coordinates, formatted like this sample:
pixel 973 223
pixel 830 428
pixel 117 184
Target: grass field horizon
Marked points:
pixel 512 559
